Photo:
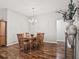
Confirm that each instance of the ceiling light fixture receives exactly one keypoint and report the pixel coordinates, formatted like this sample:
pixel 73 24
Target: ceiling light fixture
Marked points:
pixel 33 18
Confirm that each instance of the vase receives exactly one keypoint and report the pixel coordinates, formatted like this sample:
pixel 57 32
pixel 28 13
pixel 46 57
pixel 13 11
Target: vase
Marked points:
pixel 70 37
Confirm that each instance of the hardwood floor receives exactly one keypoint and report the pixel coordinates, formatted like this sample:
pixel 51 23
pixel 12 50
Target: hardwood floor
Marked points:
pixel 48 51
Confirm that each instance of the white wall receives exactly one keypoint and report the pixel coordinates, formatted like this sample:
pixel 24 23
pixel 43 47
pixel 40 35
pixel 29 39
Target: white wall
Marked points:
pixel 16 23
pixel 47 24
pixel 3 13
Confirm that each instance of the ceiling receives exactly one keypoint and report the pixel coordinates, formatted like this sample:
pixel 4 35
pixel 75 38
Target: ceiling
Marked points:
pixel 41 6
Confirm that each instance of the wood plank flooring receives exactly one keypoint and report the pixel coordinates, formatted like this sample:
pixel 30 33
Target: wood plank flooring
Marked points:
pixel 48 51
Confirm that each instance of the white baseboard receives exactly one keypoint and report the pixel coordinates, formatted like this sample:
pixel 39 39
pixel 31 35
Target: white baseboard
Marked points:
pixel 50 41
pixel 61 40
pixel 11 43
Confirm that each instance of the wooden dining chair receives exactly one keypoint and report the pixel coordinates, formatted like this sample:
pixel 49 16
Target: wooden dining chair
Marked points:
pixel 24 42
pixel 20 40
pixel 39 39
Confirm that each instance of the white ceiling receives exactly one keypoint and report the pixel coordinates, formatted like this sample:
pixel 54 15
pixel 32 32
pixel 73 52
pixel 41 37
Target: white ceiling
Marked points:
pixel 41 6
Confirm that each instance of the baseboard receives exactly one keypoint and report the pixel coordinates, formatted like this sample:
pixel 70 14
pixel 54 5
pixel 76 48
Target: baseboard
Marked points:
pixel 11 43
pixel 50 41
pixel 60 40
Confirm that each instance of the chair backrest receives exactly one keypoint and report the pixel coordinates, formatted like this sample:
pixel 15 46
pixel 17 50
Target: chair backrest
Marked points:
pixel 40 35
pixel 20 36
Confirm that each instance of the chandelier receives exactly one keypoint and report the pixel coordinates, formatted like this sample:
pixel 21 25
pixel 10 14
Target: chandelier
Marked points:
pixel 33 18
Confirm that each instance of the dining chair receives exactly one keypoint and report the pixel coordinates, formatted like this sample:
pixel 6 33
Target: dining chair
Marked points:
pixel 23 42
pixel 20 40
pixel 39 39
